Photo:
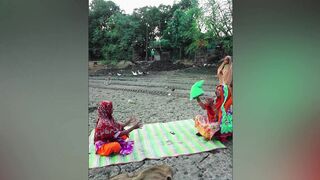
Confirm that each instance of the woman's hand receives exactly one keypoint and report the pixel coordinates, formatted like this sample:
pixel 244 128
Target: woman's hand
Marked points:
pixel 227 60
pixel 200 103
pixel 131 120
pixel 137 125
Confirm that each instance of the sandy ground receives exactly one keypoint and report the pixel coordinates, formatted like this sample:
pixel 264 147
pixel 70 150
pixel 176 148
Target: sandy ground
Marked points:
pixel 159 97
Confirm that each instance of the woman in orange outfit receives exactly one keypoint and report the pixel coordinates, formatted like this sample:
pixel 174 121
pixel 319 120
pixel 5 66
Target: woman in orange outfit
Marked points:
pixel 206 125
pixel 110 136
pixel 218 122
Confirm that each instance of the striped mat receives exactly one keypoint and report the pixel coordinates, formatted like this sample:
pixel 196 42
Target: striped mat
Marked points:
pixel 155 141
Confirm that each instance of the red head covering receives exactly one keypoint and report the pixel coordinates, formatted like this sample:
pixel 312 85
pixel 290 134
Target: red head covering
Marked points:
pixel 105 110
pixel 106 126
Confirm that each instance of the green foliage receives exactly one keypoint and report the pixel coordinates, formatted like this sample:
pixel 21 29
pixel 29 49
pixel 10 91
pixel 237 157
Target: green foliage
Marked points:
pixel 227 44
pixel 120 36
pixel 112 62
pixel 217 18
pixel 183 29
pixel 99 13
pixel 162 43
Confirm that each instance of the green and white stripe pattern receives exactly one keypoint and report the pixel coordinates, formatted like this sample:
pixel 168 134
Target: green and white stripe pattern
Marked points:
pixel 226 121
pixel 155 141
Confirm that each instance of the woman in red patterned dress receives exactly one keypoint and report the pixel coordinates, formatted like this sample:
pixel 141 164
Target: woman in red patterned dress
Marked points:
pixel 110 137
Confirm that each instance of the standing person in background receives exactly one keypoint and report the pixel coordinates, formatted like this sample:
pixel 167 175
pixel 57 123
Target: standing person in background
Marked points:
pixel 152 54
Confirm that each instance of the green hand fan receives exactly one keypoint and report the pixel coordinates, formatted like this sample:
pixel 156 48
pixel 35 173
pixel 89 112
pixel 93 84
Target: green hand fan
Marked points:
pixel 196 90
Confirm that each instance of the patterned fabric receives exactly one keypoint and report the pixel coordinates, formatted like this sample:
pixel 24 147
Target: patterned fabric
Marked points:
pixel 206 128
pixel 107 130
pixel 219 99
pixel 222 125
pixel 211 115
pixel 226 112
pixel 126 146
pixel 106 127
pixel 99 144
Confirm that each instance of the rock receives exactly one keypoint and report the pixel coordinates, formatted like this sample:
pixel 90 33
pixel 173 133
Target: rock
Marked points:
pixel 131 101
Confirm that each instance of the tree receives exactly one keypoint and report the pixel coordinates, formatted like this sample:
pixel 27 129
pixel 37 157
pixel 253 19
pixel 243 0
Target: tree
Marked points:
pixel 120 36
pixel 217 22
pixel 184 29
pixel 150 24
pixel 99 13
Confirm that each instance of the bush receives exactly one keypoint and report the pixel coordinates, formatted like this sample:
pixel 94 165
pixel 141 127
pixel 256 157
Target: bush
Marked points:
pixel 109 62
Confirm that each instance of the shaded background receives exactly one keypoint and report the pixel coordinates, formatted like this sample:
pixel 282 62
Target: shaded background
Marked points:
pixel 276 83
pixel 44 89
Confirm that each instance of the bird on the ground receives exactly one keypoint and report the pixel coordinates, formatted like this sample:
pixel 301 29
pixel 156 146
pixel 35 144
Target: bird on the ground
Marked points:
pixel 118 74
pixel 140 73
pixel 204 65
pixel 134 73
pixel 172 89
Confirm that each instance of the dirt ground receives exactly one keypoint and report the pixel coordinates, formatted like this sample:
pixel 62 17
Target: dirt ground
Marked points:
pixel 159 97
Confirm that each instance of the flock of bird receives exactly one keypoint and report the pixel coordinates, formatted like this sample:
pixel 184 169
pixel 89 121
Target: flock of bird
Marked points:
pixel 208 65
pixel 135 73
pixel 139 73
pixel 205 65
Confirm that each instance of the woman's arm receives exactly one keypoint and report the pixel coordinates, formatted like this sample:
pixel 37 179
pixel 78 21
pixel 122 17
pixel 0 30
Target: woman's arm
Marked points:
pixel 129 121
pixel 124 124
pixel 229 75
pixel 221 68
pixel 200 103
pixel 126 132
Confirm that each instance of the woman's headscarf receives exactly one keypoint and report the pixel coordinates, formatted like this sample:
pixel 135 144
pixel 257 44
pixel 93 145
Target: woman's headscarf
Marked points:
pixel 105 111
pixel 106 127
